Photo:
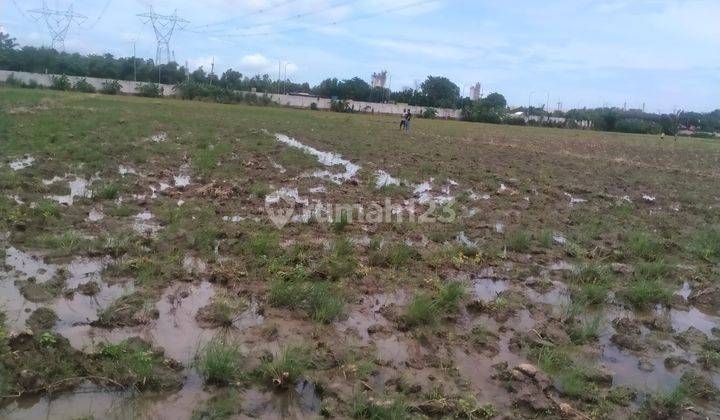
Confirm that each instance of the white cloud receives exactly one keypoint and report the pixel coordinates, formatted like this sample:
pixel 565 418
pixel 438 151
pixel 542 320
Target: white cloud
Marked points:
pixel 259 64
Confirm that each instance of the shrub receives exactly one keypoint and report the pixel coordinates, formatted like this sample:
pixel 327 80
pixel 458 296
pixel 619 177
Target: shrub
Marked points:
pixel 111 87
pixel 83 85
pixel 149 90
pixel 429 113
pixel 340 106
pixel 60 83
pixel 314 106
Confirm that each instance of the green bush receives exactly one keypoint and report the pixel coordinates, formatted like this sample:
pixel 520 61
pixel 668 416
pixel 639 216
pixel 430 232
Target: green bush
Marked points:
pixel 429 113
pixel 149 90
pixel 111 87
pixel 83 85
pixel 60 83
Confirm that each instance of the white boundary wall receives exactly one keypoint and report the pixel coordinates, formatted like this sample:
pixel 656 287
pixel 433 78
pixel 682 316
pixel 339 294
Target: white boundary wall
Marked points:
pixel 129 87
pixel 359 106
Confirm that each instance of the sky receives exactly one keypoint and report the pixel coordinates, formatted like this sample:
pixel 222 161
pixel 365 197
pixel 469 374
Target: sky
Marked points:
pixel 661 53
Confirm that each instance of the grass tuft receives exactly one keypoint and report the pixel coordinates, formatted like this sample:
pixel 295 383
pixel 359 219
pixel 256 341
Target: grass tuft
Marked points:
pixel 220 361
pixel 286 367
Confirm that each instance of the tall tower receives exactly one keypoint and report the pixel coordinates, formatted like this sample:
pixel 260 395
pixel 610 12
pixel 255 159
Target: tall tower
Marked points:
pixel 476 92
pixel 379 79
pixel 57 22
pixel 164 27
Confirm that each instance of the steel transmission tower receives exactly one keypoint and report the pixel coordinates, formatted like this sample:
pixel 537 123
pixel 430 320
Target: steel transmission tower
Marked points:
pixel 164 27
pixel 58 22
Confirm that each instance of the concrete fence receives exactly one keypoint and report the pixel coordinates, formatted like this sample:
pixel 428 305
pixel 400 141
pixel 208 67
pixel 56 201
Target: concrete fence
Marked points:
pixel 130 88
pixel 46 80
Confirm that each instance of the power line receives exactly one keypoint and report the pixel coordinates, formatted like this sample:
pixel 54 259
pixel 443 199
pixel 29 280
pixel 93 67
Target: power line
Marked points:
pixel 255 13
pixel 58 22
pixel 346 20
pixel 286 19
pixel 100 16
pixel 164 27
pixel 19 9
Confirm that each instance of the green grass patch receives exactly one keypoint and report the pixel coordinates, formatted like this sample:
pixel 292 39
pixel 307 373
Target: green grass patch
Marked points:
pixel 283 369
pixel 220 361
pixel 644 246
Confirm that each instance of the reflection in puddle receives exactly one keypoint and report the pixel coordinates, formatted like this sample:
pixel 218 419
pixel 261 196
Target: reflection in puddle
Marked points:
pixel 27 265
pixel 143 225
pixel 22 163
pixel 78 188
pixel 487 289
pixel 325 159
pixel 384 179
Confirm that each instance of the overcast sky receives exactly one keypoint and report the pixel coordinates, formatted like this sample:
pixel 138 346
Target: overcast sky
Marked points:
pixel 665 53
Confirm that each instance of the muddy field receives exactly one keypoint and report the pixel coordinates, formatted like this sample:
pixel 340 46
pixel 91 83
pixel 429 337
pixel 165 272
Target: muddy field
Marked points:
pixel 167 259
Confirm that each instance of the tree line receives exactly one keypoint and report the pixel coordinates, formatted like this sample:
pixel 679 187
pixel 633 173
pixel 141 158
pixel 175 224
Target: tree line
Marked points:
pixel 433 92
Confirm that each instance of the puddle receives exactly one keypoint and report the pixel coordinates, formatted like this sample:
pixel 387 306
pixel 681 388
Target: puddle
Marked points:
pixel 326 159
pixel 91 401
pixel 367 313
pixel 476 197
pixel 95 215
pixel 158 138
pixel 575 200
pixel 22 163
pixel 181 181
pixel 317 190
pixel 499 227
pixel 682 320
pixel 300 402
pixel 289 195
pixel 559 239
pixel 562 266
pixel 424 193
pixel 278 166
pixel 126 170
pixel 685 291
pixel 464 240
pixel 558 297
pixel 27 265
pixel 487 289
pixel 176 329
pixel 648 198
pixel 234 219
pixel 78 188
pixel 142 224
pixel 194 265
pixel 384 179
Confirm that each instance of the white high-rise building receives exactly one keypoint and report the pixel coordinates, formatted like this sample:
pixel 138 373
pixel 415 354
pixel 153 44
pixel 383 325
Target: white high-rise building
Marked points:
pixel 379 79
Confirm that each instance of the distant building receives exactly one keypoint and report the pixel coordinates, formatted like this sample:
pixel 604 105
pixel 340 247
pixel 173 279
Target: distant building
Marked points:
pixel 476 92
pixel 379 80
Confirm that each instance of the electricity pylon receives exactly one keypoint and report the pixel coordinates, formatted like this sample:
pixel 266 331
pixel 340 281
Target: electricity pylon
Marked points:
pixel 58 22
pixel 164 27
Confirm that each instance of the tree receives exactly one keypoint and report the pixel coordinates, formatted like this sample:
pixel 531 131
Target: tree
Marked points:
pixel 494 101
pixel 440 92
pixel 7 48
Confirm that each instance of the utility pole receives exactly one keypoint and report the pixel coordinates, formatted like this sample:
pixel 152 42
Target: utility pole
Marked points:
pixel 212 70
pixel 530 102
pixel 164 27
pixel 134 62
pixel 58 22
pixel 285 79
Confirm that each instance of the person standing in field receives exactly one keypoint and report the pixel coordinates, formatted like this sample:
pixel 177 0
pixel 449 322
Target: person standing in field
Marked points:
pixel 403 120
pixel 407 118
